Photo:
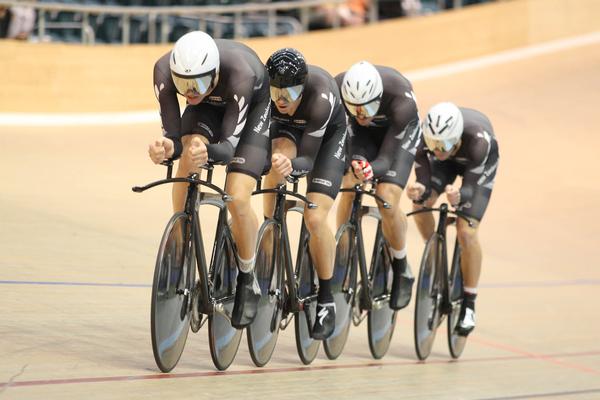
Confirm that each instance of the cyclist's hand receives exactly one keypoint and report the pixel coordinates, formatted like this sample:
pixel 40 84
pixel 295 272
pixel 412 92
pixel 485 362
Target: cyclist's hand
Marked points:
pixel 453 195
pixel 198 152
pixel 160 150
pixel 281 164
pixel 415 191
pixel 362 170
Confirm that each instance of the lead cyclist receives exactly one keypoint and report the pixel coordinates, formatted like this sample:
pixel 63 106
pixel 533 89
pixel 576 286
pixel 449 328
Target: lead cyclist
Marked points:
pixel 458 141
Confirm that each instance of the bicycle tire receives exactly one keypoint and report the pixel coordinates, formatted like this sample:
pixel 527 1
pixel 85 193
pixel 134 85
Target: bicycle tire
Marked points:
pixel 381 319
pixel 307 282
pixel 170 308
pixel 262 333
pixel 343 287
pixel 425 305
pixel 456 342
pixel 224 339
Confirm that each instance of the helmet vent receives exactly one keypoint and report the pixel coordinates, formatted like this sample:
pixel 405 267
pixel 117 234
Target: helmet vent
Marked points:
pixel 204 59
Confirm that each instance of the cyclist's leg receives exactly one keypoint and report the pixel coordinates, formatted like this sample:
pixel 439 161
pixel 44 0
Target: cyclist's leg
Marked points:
pixel 470 252
pixel 425 221
pixel 345 204
pixel 394 225
pixel 197 121
pixel 322 240
pixel 322 187
pixel 390 188
pixel 244 169
pixel 471 255
pixel 470 265
pixel 287 147
pixel 393 220
pixel 442 174
pixel 244 224
pixel 362 146
pixel 184 168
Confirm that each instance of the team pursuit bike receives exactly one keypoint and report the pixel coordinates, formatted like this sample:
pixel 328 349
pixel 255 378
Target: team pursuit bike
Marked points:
pixel 180 300
pixel 368 298
pixel 439 294
pixel 288 290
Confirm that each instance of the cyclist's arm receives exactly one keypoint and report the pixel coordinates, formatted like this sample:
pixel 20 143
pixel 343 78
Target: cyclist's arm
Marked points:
pixel 423 170
pixel 321 112
pixel 170 116
pixel 479 152
pixel 234 121
pixel 403 133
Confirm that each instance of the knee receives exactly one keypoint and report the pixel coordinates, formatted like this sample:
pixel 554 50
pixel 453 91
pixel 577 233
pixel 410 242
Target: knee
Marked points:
pixel 391 195
pixel 314 220
pixel 467 236
pixel 239 206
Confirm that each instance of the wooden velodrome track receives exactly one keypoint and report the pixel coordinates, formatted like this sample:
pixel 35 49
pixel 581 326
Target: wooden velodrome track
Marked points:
pixel 77 247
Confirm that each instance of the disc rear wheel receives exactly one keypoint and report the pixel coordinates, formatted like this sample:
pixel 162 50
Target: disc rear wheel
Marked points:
pixel 263 332
pixel 307 282
pixel 343 287
pixel 427 302
pixel 224 339
pixel 381 318
pixel 456 342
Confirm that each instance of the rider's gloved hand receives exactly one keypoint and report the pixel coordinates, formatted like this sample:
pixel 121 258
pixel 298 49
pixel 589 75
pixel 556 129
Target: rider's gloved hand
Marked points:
pixel 160 150
pixel 197 152
pixel 281 164
pixel 453 195
pixel 415 191
pixel 362 170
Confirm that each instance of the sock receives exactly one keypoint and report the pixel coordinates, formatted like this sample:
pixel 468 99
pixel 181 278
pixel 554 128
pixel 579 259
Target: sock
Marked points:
pixel 324 295
pixel 246 266
pixel 472 290
pixel 398 254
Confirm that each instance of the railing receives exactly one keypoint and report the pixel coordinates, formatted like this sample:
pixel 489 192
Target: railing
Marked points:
pixel 201 14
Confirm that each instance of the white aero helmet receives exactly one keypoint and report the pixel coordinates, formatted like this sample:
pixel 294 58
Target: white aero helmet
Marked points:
pixel 195 63
pixel 362 89
pixel 443 127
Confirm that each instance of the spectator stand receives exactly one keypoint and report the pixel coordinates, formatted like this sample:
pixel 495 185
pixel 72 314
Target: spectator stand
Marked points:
pixel 111 21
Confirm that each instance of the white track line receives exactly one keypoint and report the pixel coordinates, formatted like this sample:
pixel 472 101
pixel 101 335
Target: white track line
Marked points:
pixel 142 117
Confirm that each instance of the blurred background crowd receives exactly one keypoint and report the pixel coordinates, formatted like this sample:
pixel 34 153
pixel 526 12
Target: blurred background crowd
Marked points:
pixel 114 21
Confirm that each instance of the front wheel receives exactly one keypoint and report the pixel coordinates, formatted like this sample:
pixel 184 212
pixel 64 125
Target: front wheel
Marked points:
pixel 343 287
pixel 381 318
pixel 456 342
pixel 172 292
pixel 427 301
pixel 263 332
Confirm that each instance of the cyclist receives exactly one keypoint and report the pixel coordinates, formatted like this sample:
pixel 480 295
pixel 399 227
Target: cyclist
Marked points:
pixel 308 133
pixel 458 141
pixel 226 120
pixel 384 135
